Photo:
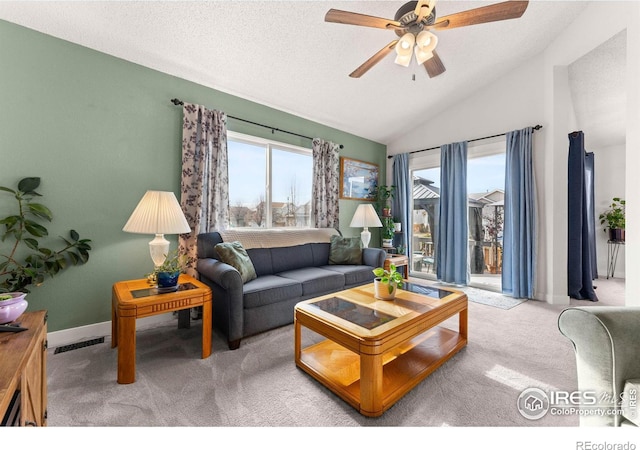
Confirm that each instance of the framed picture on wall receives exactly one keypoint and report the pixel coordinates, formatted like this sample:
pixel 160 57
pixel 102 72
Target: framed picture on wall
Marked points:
pixel 358 179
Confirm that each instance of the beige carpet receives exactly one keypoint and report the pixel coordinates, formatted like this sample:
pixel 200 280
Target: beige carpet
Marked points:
pixel 258 385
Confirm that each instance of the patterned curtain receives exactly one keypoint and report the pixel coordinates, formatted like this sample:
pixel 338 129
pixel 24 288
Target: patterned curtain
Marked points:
pixel 205 178
pixel 326 178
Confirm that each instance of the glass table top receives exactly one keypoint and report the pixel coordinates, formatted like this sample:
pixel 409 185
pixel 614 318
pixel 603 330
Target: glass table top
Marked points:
pixel 371 318
pixel 358 314
pixel 425 290
pixel 139 293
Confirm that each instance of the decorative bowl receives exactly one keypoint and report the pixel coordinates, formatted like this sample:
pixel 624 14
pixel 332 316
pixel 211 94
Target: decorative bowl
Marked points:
pixel 12 308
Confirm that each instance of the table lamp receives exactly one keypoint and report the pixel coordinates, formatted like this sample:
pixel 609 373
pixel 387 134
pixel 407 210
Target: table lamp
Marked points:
pixel 365 217
pixel 158 213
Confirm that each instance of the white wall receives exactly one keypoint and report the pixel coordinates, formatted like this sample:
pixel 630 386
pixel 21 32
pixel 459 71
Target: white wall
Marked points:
pixel 537 93
pixel 632 248
pixel 608 160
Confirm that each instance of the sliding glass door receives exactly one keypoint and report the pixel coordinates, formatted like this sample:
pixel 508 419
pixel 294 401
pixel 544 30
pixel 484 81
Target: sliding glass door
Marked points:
pixel 485 185
pixel 426 203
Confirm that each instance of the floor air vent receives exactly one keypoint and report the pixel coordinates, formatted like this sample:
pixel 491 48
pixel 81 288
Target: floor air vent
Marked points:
pixel 66 348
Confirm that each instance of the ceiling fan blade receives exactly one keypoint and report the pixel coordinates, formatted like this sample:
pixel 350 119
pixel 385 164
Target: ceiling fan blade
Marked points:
pixel 375 59
pixel 351 18
pixel 492 13
pixel 434 66
pixel 423 9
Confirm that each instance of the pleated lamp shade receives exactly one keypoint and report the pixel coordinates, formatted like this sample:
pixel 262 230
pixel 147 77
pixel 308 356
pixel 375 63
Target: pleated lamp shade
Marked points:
pixel 365 217
pixel 158 213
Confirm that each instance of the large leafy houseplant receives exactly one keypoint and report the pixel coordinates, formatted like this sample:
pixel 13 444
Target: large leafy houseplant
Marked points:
pixel 384 195
pixel 614 219
pixel 27 262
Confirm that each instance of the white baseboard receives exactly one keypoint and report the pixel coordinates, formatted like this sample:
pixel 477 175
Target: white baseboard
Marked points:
pixel 102 329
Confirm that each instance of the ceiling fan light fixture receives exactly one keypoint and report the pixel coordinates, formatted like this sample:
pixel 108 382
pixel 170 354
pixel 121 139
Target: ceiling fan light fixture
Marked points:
pixel 426 41
pixel 422 56
pixel 403 60
pixel 405 44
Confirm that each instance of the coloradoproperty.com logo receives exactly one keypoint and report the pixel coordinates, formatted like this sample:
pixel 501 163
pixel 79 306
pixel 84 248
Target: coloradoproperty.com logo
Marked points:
pixel 534 403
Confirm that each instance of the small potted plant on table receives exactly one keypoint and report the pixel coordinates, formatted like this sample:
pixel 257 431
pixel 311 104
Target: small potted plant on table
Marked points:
pixel 167 274
pixel 386 282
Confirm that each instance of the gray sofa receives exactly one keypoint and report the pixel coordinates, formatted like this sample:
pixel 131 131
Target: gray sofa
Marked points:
pixel 606 340
pixel 291 266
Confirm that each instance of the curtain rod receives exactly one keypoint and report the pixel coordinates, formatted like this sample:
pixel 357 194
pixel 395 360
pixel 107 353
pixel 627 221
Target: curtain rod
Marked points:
pixel 537 127
pixel 178 102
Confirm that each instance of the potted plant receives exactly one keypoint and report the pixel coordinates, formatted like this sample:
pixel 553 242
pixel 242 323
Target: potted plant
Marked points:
pixel 388 230
pixel 28 262
pixel 384 194
pixel 397 225
pixel 614 219
pixel 167 274
pixel 386 282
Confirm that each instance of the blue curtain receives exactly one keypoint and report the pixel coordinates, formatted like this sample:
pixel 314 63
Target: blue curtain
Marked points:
pixel 589 174
pixel 519 236
pixel 581 222
pixel 453 237
pixel 403 200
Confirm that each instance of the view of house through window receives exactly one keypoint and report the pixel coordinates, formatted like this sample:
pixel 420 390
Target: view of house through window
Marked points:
pixel 269 183
pixel 485 188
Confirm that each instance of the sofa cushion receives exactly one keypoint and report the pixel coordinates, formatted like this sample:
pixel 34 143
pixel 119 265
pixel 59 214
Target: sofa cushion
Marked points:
pixel 345 250
pixel 269 289
pixel 315 280
pixel 290 258
pixel 353 274
pixel 261 259
pixel 320 252
pixel 235 255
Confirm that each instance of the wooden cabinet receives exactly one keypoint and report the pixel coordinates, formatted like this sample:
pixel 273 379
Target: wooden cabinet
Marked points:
pixel 23 372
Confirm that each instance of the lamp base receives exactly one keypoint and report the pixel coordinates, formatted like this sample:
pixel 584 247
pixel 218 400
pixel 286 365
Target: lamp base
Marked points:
pixel 365 236
pixel 159 249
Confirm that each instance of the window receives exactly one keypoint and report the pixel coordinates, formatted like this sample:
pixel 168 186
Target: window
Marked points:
pixel 269 183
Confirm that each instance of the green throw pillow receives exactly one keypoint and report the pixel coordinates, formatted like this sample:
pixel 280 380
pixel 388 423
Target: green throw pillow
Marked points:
pixel 234 254
pixel 345 250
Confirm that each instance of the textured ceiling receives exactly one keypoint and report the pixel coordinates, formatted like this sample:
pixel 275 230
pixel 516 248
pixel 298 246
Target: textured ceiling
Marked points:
pixel 283 54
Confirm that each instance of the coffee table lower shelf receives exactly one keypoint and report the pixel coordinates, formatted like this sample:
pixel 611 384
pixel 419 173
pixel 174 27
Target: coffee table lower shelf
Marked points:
pixel 404 367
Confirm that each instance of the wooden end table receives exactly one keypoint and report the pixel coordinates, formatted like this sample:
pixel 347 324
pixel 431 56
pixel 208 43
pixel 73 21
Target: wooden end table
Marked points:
pixel 398 261
pixel 137 298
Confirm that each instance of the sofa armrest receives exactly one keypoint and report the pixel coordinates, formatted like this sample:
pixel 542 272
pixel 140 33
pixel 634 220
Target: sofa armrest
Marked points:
pixel 606 341
pixel 373 257
pixel 227 288
pixel 224 275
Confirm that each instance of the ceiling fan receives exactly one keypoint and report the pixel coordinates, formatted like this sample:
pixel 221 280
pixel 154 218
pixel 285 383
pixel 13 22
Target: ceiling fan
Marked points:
pixel 413 23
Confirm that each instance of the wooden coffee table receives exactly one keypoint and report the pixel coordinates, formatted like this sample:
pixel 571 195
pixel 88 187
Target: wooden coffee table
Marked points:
pixel 134 299
pixel 375 350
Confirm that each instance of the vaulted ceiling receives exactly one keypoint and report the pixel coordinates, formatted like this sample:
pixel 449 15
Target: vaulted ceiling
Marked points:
pixel 283 54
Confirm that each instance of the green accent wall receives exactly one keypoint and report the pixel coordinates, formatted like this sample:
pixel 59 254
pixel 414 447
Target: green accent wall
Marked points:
pixel 100 131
